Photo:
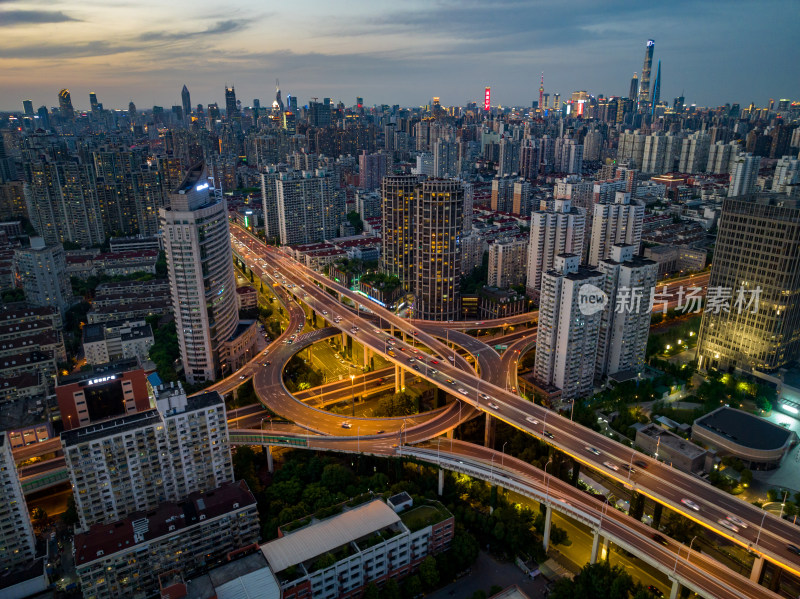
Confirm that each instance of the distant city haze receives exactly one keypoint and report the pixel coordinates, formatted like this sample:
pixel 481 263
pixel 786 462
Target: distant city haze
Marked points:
pixel 393 52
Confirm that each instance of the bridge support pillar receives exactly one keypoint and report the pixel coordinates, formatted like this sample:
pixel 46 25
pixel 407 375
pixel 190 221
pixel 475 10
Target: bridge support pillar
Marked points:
pixel 595 547
pixel 441 482
pixel 758 565
pixel 675 590
pixel 402 378
pixel 548 518
pixel 344 342
pixel 396 378
pixel 449 434
pixel 270 463
pixel 488 432
pixel 366 355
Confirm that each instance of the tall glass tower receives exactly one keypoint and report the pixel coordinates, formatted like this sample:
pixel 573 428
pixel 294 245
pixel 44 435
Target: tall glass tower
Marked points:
pixel 644 85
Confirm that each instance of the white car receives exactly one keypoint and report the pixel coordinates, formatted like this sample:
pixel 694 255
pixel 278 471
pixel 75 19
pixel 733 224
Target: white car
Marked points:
pixel 463 391
pixel 346 425
pixel 729 525
pixel 484 396
pixel 494 406
pixel 324 312
pixel 690 504
pixel 611 466
pixel 737 521
pixel 532 420
pixel 592 450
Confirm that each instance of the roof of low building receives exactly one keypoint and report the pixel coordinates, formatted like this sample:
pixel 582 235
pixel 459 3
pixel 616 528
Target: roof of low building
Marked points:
pixel 744 429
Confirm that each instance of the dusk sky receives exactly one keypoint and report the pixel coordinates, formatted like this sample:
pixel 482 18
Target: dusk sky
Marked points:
pixel 401 52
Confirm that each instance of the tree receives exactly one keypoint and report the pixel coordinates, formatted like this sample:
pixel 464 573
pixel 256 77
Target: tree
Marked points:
pixel 412 587
pixel 428 572
pixel 38 514
pixel 391 590
pixel 595 581
pixel 70 515
pixel 371 592
pixel 746 479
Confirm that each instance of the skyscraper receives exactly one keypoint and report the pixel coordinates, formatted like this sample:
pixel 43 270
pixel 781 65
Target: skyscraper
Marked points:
pixel 17 543
pixel 541 93
pixel 566 345
pixel 202 284
pixel 744 175
pixel 398 193
pixel 95 105
pixel 656 97
pixel 625 324
pixel 278 103
pixel 42 271
pixel 787 175
pixel 27 106
pixel 438 227
pixel 553 232
pixel 186 101
pixel 615 223
pixel 507 262
pixel 65 104
pixel 231 108
pixel 634 91
pixel 756 324
pixel 310 208
pixel 644 86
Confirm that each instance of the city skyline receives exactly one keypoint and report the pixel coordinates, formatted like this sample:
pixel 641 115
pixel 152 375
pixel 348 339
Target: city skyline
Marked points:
pixel 376 51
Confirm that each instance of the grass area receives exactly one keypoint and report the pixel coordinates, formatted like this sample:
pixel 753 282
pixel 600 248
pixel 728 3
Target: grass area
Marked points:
pixel 424 515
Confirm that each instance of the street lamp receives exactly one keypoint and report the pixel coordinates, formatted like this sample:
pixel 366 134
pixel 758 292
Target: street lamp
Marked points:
pixel 503 452
pixel 353 393
pixel 547 486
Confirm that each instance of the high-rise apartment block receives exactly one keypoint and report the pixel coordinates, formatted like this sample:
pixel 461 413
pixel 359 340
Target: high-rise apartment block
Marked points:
pixel 752 317
pixel 310 207
pixel 372 168
pixel 137 461
pixel 744 175
pixel 553 232
pixel 614 224
pixel 720 156
pixel 694 152
pixel 202 285
pixel 566 345
pixel 17 543
pixel 625 325
pixel 787 175
pixel 507 262
pixel 41 270
pixel 399 194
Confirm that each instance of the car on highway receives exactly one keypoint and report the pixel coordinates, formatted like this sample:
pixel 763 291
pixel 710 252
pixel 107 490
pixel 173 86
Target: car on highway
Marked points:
pixel 265 364
pixel 654 590
pixel 346 425
pixel 451 358
pixel 549 435
pixel 417 368
pixel 292 337
pixel 640 463
pixel 494 406
pixel 380 432
pixel 391 341
pixel 659 539
pixel 391 353
pixel 729 525
pixel 450 382
pixel 737 521
pixel 532 420
pixel 434 371
pixel 611 466
pixel 690 504
pixel 592 450
pixel 793 549
pixel 484 396
pixel 463 391
pixel 410 360
pixel 378 331
pixel 434 361
pixel 402 349
pixel 242 377
pixel 324 312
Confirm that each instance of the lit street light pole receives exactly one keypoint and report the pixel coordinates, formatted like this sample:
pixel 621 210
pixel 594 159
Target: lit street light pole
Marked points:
pixel 353 393
pixel 503 456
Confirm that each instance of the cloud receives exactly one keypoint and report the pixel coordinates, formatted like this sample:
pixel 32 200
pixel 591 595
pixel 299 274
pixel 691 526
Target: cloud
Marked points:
pixel 10 18
pixel 221 27
pixel 64 51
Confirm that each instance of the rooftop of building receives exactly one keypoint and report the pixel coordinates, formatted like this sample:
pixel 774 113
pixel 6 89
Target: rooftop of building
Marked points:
pixel 326 535
pixel 672 441
pixel 140 332
pixel 93 333
pixel 101 370
pixel 113 426
pixel 745 429
pixel 103 540
pixel 20 381
pixel 245 290
pixel 242 578
pixel 512 592
pixel 16 310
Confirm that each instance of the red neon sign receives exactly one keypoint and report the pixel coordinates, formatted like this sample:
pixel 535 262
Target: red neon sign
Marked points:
pixel 487 99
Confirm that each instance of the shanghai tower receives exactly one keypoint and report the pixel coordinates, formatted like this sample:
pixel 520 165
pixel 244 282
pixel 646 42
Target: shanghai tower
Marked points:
pixel 644 82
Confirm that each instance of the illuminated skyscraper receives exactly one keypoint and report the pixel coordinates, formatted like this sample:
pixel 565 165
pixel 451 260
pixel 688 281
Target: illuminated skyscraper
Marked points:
pixel 65 104
pixel 231 109
pixel 93 102
pixel 186 101
pixel 656 97
pixel 757 266
pixel 397 231
pixel 633 93
pixel 644 86
pixel 278 103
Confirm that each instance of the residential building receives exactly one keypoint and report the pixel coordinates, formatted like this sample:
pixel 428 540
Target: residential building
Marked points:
pixel 310 207
pixel 753 320
pixel 126 557
pixel 625 325
pixel 508 262
pixel 371 542
pixel 553 232
pixel 202 283
pixel 744 175
pixel 137 461
pixel 41 272
pixel 398 227
pixel 615 223
pixel 694 152
pixel 570 314
pixel 17 543
pixel 787 175
pixel 115 339
pixel 372 168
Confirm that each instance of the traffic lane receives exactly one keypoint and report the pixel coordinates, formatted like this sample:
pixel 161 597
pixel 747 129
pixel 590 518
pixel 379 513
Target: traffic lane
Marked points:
pixel 487 357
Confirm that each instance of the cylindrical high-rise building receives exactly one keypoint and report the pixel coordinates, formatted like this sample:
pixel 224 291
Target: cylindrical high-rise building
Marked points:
pixel 437 229
pixel 644 86
pixel 202 284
